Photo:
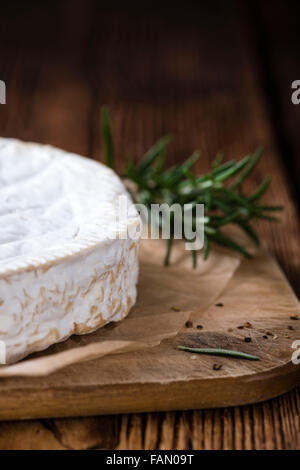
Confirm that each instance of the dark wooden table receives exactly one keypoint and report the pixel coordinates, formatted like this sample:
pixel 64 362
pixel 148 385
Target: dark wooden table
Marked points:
pixel 219 77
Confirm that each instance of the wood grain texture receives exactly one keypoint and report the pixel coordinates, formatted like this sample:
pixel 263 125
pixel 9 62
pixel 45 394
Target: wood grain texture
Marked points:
pixel 194 73
pixel 257 305
pixel 278 51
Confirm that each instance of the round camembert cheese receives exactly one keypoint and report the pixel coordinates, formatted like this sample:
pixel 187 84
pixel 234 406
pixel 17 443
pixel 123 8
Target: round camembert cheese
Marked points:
pixel 68 253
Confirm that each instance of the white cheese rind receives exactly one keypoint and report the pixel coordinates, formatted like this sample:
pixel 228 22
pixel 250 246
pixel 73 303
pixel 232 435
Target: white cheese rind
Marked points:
pixel 63 268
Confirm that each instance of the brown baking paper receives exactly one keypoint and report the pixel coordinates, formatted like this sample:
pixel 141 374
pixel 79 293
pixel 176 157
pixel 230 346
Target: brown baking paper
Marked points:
pixel 167 297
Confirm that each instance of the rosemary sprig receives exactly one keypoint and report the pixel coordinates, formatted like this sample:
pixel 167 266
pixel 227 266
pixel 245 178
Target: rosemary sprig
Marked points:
pixel 220 352
pixel 220 190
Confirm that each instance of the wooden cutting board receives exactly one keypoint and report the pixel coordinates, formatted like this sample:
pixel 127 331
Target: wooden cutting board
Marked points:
pixel 257 303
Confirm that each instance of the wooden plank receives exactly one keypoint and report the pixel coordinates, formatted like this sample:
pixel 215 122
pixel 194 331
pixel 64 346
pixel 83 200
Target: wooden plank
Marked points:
pixel 164 73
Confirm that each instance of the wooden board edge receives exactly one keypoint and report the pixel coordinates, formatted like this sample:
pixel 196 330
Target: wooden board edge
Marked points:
pixel 149 397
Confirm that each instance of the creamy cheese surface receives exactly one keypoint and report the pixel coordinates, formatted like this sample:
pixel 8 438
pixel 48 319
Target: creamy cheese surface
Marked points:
pixel 63 269
pixel 50 199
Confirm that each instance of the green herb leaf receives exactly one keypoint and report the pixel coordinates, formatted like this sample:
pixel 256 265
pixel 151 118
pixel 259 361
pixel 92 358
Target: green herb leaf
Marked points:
pixel 233 170
pixel 221 239
pixel 252 164
pixel 220 352
pixel 261 190
pixel 107 143
pixel 148 159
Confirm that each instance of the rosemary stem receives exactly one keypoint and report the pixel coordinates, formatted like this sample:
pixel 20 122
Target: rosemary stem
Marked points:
pixel 169 246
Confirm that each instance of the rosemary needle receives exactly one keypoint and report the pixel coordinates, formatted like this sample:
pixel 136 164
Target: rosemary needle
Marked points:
pixel 220 352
